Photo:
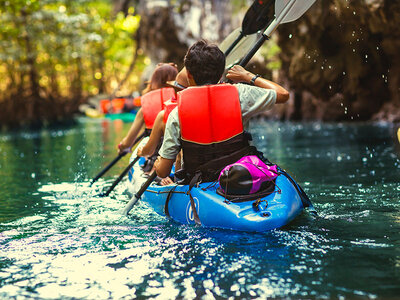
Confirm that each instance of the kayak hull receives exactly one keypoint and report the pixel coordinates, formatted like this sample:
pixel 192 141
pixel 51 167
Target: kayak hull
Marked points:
pixel 274 210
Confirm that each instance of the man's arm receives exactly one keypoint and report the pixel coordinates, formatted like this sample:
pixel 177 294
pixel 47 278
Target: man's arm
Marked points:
pixel 171 145
pixel 239 74
pixel 155 136
pixel 163 166
pixel 133 133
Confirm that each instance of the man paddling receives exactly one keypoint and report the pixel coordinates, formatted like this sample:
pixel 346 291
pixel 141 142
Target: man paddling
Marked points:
pixel 209 122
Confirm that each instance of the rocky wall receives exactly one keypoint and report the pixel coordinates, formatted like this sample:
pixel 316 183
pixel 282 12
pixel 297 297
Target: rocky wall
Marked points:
pixel 342 59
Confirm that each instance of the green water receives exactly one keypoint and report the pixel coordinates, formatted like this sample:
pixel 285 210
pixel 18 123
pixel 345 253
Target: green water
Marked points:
pixel 58 240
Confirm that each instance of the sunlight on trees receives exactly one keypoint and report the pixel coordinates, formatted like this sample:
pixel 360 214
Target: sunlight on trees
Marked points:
pixel 64 49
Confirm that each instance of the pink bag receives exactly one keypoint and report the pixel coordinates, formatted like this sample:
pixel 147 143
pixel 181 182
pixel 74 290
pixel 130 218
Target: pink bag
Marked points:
pixel 246 176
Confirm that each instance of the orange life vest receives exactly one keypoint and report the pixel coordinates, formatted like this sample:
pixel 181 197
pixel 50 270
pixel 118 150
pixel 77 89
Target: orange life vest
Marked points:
pixel 169 105
pixel 210 114
pixel 153 102
pixel 116 105
pixel 211 127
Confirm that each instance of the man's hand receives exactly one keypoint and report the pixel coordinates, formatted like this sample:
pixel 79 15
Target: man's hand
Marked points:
pixel 124 147
pixel 239 74
pixel 139 151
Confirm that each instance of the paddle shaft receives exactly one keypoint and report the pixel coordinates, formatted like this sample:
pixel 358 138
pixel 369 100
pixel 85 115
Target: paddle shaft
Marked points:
pixel 108 167
pixel 233 45
pixel 255 19
pixel 120 177
pixel 114 161
pixel 253 50
pixel 139 193
pixel 285 13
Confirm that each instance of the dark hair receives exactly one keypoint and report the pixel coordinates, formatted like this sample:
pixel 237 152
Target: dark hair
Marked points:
pixel 206 62
pixel 161 75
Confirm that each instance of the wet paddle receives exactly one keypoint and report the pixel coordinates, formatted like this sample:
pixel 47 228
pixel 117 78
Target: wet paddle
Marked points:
pixel 286 11
pixel 256 18
pixel 139 193
pixel 114 161
pixel 108 167
pixel 120 177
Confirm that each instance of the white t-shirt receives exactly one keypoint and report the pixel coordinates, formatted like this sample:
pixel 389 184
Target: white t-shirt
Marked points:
pixel 253 100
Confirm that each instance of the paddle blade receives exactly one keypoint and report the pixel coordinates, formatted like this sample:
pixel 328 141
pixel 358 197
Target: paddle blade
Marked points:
pixel 241 49
pixel 225 44
pixel 129 206
pixel 297 9
pixel 257 17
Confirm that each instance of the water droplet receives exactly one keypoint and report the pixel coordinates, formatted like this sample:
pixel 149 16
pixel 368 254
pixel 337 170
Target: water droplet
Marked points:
pixel 68 147
pixel 33 175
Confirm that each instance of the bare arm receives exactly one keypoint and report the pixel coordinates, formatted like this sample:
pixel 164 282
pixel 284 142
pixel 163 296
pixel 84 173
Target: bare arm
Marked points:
pixel 133 133
pixel 239 74
pixel 156 133
pixel 163 166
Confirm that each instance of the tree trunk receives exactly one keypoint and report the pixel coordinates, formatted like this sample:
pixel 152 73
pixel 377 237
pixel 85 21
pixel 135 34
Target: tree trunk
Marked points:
pixel 30 57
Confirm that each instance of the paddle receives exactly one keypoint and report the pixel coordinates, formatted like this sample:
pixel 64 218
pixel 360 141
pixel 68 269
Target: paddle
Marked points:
pixel 241 49
pixel 256 18
pixel 114 161
pixel 120 177
pixel 139 193
pixel 285 11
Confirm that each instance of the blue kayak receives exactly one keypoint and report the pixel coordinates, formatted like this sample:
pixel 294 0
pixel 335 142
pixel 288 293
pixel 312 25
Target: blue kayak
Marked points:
pixel 273 211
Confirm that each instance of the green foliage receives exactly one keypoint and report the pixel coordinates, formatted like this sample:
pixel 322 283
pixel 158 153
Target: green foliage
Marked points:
pixel 270 51
pixel 72 49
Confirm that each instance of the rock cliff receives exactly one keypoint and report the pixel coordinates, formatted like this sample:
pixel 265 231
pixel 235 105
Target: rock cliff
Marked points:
pixel 342 59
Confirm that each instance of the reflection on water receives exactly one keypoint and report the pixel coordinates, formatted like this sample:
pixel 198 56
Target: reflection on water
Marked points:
pixel 59 239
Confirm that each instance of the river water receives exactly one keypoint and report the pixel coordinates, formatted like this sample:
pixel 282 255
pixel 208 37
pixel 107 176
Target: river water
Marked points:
pixel 59 241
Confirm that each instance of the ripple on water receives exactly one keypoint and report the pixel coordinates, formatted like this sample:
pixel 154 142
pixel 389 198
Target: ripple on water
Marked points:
pixel 76 244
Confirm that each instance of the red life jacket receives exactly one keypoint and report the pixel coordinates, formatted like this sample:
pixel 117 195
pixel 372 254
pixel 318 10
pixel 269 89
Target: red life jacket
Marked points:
pixel 211 126
pixel 153 103
pixel 210 114
pixel 169 105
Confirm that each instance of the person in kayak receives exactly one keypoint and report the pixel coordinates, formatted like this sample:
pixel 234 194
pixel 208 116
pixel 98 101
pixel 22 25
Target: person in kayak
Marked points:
pixel 151 103
pixel 157 132
pixel 159 124
pixel 208 124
